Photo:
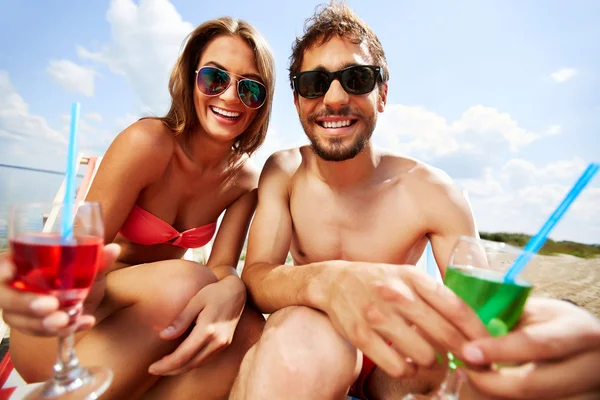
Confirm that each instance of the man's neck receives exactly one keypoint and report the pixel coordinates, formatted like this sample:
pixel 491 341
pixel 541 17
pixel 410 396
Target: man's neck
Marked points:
pixel 349 173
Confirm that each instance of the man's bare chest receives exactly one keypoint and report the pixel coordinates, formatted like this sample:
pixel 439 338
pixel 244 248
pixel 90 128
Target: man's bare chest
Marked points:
pixel 380 228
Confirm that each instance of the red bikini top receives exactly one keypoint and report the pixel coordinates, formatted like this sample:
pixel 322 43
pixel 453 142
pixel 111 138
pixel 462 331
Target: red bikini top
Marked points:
pixel 146 228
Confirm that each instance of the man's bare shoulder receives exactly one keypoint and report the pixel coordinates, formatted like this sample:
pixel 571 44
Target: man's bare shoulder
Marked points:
pixel 416 174
pixel 284 162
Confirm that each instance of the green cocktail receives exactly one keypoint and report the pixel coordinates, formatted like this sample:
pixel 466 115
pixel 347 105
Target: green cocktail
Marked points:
pixel 498 304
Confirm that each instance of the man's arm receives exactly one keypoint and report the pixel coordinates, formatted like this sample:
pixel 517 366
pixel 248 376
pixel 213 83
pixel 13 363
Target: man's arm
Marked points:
pixel 447 214
pixel 271 284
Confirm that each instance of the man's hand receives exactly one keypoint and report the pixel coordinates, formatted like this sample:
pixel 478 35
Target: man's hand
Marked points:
pixel 375 305
pixel 35 314
pixel 560 344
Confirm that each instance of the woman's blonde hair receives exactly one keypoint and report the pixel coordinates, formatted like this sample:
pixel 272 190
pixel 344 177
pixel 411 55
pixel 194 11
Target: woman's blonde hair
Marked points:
pixel 182 118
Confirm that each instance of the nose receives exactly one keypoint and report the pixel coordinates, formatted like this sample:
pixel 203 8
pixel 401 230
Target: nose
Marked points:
pixel 336 96
pixel 230 94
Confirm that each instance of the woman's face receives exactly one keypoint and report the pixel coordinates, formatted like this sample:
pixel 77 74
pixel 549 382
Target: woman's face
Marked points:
pixel 224 117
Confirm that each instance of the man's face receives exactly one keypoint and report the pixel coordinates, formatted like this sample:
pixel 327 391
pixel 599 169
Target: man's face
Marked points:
pixel 338 124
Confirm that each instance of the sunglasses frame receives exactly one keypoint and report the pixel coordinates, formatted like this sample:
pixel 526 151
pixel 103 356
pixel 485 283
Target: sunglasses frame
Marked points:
pixel 338 75
pixel 240 79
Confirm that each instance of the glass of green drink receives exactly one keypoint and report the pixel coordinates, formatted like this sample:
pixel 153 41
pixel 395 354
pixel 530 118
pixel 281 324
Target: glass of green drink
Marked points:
pixel 476 274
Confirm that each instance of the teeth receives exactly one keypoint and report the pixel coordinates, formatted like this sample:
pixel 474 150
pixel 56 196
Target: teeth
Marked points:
pixel 225 112
pixel 337 124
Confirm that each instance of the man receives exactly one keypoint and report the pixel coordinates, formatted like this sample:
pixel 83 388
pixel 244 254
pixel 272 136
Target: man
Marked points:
pixel 356 219
pixel 371 211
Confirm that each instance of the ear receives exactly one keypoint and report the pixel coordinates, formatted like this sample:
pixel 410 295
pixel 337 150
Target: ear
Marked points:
pixel 383 91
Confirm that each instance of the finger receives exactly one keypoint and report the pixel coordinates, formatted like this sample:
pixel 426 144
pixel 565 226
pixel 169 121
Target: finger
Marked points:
pixel 578 374
pixel 403 338
pixel 197 339
pixel 531 343
pixel 48 326
pixel 423 316
pixel 449 306
pixel 213 348
pixel 182 321
pixel 110 253
pixel 26 303
pixel 384 356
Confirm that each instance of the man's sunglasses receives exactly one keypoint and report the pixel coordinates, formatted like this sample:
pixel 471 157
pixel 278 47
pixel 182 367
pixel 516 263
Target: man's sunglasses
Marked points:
pixel 212 81
pixel 357 79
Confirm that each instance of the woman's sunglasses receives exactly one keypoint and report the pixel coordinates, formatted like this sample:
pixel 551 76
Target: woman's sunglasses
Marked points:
pixel 212 81
pixel 358 79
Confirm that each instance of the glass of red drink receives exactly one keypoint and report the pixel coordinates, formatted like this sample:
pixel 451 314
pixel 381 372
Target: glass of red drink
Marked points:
pixel 64 266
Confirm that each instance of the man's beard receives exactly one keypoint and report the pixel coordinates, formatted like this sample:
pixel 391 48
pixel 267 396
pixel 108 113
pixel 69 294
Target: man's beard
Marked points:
pixel 333 149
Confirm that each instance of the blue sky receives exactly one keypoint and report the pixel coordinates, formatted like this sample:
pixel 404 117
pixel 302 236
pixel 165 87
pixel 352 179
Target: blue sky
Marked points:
pixel 503 95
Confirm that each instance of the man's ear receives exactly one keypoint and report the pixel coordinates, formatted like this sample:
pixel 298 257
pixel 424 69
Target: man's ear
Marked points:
pixel 383 91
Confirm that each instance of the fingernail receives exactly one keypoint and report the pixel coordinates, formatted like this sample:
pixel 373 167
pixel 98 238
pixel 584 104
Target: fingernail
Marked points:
pixel 44 304
pixel 168 331
pixel 472 354
pixel 55 321
pixel 152 370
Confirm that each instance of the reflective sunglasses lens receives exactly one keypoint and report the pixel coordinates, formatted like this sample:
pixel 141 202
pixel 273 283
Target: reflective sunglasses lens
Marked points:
pixel 253 94
pixel 212 81
pixel 313 84
pixel 359 80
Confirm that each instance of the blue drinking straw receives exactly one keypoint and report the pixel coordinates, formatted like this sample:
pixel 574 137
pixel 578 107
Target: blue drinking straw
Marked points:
pixel 67 214
pixel 537 241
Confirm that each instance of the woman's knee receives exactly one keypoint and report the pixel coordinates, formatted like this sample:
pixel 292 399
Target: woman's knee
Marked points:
pixel 161 289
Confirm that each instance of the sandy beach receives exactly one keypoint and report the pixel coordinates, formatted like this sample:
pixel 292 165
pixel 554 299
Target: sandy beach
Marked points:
pixel 567 277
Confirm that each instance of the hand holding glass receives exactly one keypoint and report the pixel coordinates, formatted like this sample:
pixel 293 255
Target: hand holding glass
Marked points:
pixel 65 267
pixel 476 275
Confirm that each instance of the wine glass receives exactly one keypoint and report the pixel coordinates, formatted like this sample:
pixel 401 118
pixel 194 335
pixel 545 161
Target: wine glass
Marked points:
pixel 476 274
pixel 51 262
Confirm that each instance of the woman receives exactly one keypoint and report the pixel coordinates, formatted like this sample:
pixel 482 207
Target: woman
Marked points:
pixel 162 185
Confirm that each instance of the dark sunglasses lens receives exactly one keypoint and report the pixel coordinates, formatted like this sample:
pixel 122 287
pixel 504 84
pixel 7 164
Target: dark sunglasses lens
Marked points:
pixel 253 94
pixel 212 81
pixel 313 84
pixel 359 80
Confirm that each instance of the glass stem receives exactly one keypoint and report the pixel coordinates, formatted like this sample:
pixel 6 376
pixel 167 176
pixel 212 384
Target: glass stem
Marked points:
pixel 66 368
pixel 450 388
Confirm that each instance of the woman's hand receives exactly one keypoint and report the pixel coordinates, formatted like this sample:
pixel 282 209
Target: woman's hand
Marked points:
pixel 36 314
pixel 217 309
pixel 560 344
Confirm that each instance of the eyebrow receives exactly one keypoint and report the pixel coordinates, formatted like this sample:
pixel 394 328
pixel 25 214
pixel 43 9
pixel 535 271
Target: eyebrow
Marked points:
pixel 251 75
pixel 320 67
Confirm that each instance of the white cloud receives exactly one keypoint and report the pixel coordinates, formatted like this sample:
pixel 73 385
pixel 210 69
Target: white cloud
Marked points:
pixel 145 43
pixel 463 148
pixel 16 121
pixel 564 74
pixel 480 150
pixel 94 117
pixel 554 130
pixel 72 77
